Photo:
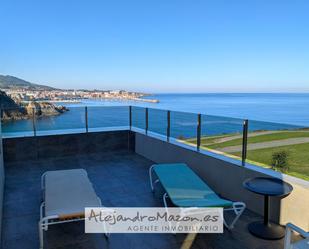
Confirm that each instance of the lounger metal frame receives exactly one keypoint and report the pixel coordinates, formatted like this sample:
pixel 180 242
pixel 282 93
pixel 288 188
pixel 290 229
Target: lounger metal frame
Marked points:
pixel 46 221
pixel 288 234
pixel 237 207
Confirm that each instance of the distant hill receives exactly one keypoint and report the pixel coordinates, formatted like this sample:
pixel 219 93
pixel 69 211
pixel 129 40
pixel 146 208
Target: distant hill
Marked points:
pixel 7 81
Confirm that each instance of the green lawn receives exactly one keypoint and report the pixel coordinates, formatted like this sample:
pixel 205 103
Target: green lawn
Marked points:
pixel 298 158
pixel 298 154
pixel 260 138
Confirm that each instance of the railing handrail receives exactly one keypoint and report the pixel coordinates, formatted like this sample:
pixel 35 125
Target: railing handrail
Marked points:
pixel 168 126
pixel 240 119
pixel 171 110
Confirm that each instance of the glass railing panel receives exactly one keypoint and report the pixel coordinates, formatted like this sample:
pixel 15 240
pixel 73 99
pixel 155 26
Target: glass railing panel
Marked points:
pixel 69 121
pixel 107 117
pixel 139 117
pixel 157 121
pixel 16 122
pixel 184 127
pixel 282 147
pixel 222 135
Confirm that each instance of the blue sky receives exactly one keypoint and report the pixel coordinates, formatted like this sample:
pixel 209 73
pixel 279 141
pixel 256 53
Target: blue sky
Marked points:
pixel 158 46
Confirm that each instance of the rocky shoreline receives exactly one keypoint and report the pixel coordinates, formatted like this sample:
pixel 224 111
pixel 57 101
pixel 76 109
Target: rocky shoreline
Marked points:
pixel 10 110
pixel 37 109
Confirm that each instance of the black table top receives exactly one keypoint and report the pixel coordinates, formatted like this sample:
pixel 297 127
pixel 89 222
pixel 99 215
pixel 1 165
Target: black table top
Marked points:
pixel 268 186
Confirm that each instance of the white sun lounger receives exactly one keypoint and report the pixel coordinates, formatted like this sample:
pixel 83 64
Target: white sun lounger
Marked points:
pixel 66 193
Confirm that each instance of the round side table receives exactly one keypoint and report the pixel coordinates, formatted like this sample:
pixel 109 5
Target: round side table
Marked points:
pixel 267 187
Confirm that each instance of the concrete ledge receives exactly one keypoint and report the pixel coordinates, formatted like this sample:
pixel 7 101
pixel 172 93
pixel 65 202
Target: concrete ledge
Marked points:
pixel 226 178
pixel 51 146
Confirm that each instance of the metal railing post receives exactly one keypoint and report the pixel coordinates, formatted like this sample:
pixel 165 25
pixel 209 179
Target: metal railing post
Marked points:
pixel 146 120
pixel 130 117
pixel 199 128
pixel 86 118
pixel 168 129
pixel 244 142
pixel 33 122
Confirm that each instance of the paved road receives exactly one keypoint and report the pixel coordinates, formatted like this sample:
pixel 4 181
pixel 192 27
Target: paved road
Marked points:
pixel 264 145
pixel 251 134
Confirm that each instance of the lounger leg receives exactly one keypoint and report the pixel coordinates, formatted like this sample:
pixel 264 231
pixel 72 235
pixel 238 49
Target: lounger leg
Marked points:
pixel 165 196
pixel 44 223
pixel 287 238
pixel 43 181
pixel 238 208
pixel 152 184
pixel 41 234
pixel 106 234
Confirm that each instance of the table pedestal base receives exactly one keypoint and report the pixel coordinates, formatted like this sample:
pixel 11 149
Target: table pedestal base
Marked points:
pixel 270 231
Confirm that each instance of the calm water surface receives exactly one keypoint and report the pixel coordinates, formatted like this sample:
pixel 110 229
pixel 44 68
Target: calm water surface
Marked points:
pixel 290 109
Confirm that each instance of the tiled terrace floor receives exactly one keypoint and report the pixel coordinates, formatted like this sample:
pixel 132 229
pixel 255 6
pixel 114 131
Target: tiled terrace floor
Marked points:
pixel 120 179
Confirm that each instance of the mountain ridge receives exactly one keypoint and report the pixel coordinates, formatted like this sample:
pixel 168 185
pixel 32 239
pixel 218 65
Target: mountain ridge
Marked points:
pixel 11 82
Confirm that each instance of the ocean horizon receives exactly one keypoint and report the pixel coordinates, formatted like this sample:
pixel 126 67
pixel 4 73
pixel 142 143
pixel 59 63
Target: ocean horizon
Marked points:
pixel 222 113
pixel 288 108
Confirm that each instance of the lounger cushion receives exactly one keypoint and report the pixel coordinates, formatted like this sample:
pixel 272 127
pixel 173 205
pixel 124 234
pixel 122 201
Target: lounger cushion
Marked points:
pixel 68 192
pixel 185 188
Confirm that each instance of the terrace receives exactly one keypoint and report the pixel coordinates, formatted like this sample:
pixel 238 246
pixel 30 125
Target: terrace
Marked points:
pixel 117 160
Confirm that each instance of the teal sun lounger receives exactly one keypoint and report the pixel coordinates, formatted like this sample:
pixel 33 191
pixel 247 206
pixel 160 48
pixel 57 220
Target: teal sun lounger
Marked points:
pixel 186 189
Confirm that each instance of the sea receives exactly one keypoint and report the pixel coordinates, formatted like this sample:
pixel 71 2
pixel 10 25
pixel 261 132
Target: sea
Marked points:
pixel 222 113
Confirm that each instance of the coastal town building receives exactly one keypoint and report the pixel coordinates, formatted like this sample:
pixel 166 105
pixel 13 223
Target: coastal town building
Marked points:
pixel 22 95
